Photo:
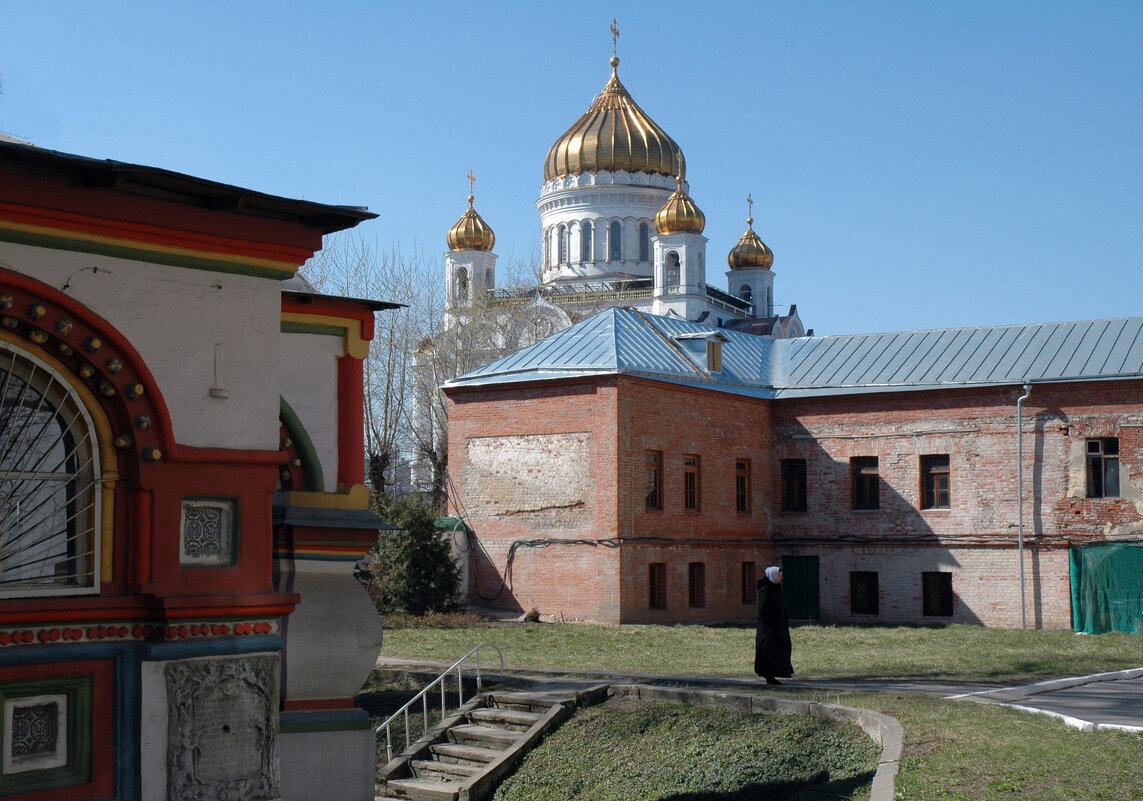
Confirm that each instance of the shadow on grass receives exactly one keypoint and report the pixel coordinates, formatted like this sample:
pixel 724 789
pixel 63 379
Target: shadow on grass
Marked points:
pixel 816 788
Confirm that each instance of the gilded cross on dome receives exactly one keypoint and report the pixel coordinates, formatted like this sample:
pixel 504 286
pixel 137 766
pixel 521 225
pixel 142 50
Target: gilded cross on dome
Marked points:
pixel 614 37
pixel 749 209
pixel 471 186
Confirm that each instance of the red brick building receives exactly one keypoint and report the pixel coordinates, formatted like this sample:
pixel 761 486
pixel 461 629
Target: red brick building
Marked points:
pixel 638 469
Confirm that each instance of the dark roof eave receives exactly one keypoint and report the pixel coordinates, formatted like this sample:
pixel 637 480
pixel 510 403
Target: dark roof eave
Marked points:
pixel 179 187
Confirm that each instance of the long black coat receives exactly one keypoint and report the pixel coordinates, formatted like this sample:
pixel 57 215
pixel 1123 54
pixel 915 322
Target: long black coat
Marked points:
pixel 772 641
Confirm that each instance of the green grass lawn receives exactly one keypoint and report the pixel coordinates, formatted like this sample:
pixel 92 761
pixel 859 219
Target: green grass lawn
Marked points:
pixel 954 750
pixel 628 750
pixel 951 653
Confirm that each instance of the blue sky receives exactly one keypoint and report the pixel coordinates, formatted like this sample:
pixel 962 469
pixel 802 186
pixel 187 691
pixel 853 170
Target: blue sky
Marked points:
pixel 913 164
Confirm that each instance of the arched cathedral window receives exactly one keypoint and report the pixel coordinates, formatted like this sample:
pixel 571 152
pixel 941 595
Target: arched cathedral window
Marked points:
pixel 48 493
pixel 671 276
pixel 585 243
pixel 615 245
pixel 746 294
pixel 462 284
pixel 644 242
pixel 562 235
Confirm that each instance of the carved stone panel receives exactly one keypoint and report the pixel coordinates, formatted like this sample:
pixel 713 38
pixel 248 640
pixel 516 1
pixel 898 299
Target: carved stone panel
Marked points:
pixel 223 729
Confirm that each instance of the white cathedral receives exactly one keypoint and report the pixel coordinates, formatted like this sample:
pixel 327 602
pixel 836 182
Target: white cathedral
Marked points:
pixel 619 229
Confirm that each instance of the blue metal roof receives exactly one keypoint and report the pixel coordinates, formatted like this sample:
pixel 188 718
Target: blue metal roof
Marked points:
pixel 623 341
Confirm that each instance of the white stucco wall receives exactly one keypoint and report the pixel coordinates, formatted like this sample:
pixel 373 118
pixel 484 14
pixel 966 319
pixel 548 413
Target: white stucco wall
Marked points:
pixel 177 318
pixel 309 385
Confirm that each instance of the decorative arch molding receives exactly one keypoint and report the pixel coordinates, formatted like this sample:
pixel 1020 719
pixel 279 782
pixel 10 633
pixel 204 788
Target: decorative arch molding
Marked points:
pixel 303 462
pixel 94 356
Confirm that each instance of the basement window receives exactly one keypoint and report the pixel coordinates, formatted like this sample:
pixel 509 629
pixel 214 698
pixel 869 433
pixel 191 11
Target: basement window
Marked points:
pixel 864 593
pixel 696 585
pixel 937 594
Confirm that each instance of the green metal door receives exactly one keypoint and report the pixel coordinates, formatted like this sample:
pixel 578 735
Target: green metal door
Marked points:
pixel 800 587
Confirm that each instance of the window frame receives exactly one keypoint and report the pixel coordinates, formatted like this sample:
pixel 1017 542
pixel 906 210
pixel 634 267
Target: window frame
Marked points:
pixel 867 610
pixel 742 486
pixel 936 469
pixel 931 594
pixel 585 244
pixel 657 585
pixel 692 482
pixel 865 483
pixel 696 585
pixel 654 503
pixel 82 501
pixel 1100 465
pixel 614 241
pixel 749 572
pixel 795 498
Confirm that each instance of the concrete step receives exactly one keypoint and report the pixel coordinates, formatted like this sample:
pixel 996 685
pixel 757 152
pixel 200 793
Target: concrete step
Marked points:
pixel 483 736
pixel 423 789
pixel 527 702
pixel 513 719
pixel 464 754
pixel 435 769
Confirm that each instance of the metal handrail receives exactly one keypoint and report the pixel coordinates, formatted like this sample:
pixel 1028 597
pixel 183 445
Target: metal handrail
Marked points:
pixel 424 698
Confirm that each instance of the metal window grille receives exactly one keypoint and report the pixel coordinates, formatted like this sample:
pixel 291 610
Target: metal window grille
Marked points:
pixel 691 482
pixel 49 503
pixel 696 585
pixel 937 594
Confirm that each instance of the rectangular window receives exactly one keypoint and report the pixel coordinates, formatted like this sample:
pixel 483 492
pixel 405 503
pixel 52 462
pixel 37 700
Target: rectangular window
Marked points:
pixel 653 470
pixel 749 583
pixel 793 485
pixel 1103 468
pixel 864 593
pixel 657 579
pixel 696 585
pixel 866 482
pixel 937 594
pixel 742 485
pixel 934 482
pixel 692 482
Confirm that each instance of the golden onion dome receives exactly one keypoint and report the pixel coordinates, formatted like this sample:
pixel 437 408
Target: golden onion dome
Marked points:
pixel 751 252
pixel 613 135
pixel 679 214
pixel 471 232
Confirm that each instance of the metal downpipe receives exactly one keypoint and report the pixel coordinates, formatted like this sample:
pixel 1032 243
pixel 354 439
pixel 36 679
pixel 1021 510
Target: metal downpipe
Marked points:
pixel 1020 498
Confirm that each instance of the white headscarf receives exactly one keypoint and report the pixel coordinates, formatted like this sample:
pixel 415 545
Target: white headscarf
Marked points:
pixel 772 573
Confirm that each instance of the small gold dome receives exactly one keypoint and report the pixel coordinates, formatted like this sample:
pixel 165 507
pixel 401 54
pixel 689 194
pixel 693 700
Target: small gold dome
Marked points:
pixel 679 214
pixel 613 135
pixel 751 252
pixel 471 232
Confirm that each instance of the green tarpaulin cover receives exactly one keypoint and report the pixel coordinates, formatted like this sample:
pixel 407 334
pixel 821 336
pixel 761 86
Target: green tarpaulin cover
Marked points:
pixel 1107 588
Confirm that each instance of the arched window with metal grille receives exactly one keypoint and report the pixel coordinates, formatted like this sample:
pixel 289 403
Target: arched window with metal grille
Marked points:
pixel 49 500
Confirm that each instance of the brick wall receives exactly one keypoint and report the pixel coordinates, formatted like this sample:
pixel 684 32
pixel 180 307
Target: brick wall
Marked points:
pixel 554 475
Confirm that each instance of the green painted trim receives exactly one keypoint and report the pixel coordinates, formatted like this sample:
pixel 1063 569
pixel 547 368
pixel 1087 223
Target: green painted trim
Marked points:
pixel 311 465
pixel 78 768
pixel 235 535
pixel 313 328
pixel 142 254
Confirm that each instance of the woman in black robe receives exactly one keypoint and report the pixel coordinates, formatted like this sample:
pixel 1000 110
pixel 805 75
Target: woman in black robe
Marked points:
pixel 772 640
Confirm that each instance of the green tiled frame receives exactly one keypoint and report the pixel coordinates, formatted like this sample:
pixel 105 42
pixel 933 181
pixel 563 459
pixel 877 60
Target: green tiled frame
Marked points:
pixel 77 769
